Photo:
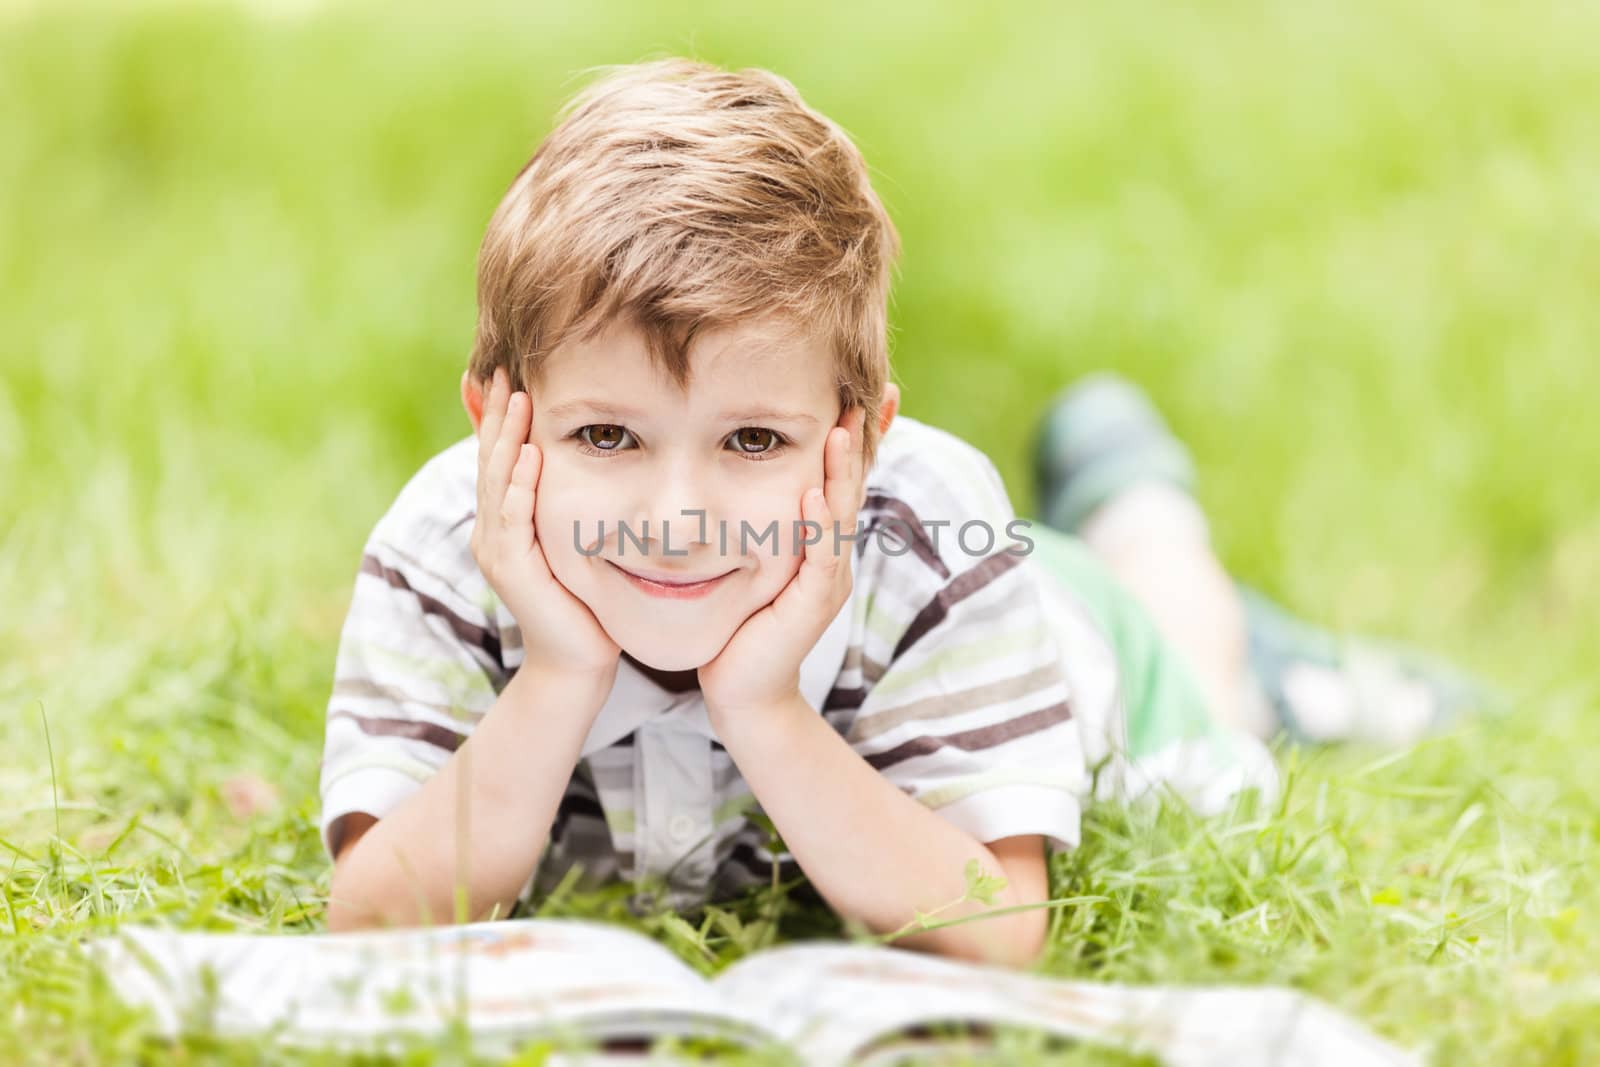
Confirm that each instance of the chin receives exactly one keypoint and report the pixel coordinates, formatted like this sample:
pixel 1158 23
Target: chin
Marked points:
pixel 669 652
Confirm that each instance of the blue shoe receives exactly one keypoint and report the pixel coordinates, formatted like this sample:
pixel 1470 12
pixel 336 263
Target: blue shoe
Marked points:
pixel 1097 438
pixel 1101 436
pixel 1323 686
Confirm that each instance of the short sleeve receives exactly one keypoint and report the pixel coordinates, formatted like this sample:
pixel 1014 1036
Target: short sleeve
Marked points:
pixel 417 666
pixel 972 714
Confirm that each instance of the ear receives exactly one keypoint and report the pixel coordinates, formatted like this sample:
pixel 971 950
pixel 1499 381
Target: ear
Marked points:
pixel 472 398
pixel 888 408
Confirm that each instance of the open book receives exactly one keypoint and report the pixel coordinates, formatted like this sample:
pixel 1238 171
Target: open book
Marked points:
pixel 607 987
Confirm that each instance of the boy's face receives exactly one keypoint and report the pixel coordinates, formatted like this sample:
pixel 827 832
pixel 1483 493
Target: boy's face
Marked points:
pixel 623 444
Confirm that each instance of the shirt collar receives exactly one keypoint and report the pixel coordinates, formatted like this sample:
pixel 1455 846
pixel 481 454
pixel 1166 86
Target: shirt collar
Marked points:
pixel 635 700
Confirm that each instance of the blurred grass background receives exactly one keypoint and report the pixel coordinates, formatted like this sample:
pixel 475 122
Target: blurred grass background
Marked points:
pixel 1350 248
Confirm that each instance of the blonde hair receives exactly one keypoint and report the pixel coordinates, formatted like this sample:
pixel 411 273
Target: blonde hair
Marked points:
pixel 680 198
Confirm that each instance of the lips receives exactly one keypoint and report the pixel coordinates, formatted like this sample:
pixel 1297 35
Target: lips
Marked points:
pixel 664 578
pixel 676 586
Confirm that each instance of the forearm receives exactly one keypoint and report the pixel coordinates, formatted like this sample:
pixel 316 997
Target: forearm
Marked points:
pixel 873 852
pixel 480 821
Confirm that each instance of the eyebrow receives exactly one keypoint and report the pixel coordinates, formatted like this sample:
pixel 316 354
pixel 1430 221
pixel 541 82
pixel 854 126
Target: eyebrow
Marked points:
pixel 607 409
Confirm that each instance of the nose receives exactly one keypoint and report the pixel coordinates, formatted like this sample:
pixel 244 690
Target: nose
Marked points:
pixel 668 490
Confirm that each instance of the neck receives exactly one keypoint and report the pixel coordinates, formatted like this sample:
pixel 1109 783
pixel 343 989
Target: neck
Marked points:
pixel 684 681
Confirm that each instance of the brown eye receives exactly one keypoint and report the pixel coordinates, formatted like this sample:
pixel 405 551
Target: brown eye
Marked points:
pixel 755 440
pixel 605 436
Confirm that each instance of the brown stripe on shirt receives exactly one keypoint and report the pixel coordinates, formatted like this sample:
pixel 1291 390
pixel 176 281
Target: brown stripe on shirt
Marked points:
pixel 975 739
pixel 842 698
pixel 428 732
pixel 466 630
pixel 856 659
pixel 909 526
pixel 371 690
pixel 988 695
pixel 964 585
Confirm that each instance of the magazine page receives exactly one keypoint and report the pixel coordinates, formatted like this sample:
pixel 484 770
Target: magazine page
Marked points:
pixel 834 1001
pixel 509 980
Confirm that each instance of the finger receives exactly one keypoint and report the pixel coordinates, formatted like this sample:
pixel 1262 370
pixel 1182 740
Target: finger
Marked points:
pixel 821 558
pixel 790 604
pixel 858 480
pixel 835 460
pixel 841 470
pixel 516 507
pixel 513 434
pixel 494 411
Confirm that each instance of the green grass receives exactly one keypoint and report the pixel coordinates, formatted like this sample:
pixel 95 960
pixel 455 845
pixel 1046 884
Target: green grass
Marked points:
pixel 1351 248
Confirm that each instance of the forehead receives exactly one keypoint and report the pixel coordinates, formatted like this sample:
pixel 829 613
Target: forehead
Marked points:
pixel 761 359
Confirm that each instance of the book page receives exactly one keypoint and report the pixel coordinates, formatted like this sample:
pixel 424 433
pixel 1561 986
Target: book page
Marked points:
pixel 831 1001
pixel 508 980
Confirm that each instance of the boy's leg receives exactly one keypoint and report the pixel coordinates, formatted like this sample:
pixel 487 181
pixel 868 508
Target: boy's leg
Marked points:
pixel 1157 730
pixel 1325 687
pixel 1154 538
pixel 1109 470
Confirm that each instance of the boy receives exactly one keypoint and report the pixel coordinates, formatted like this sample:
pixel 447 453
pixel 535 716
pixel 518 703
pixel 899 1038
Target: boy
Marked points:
pixel 692 565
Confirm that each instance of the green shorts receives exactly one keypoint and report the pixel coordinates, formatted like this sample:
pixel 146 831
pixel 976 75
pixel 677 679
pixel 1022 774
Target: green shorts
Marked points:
pixel 1167 732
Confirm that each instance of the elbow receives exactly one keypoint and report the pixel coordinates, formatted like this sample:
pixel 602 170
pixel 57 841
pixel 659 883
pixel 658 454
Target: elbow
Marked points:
pixel 344 914
pixel 1020 947
pixel 340 920
pixel 1017 942
pixel 1030 942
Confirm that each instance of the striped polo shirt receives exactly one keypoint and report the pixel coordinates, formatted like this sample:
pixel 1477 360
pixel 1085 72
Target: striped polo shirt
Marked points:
pixel 951 669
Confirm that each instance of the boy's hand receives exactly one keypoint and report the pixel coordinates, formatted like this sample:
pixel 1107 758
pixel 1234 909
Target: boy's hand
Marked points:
pixel 760 664
pixel 559 632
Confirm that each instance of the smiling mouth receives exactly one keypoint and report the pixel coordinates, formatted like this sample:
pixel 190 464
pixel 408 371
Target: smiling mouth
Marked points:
pixel 663 585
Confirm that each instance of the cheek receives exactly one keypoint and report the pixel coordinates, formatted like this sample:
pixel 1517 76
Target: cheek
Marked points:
pixel 751 524
pixel 777 498
pixel 777 572
pixel 554 533
pixel 773 505
pixel 564 511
